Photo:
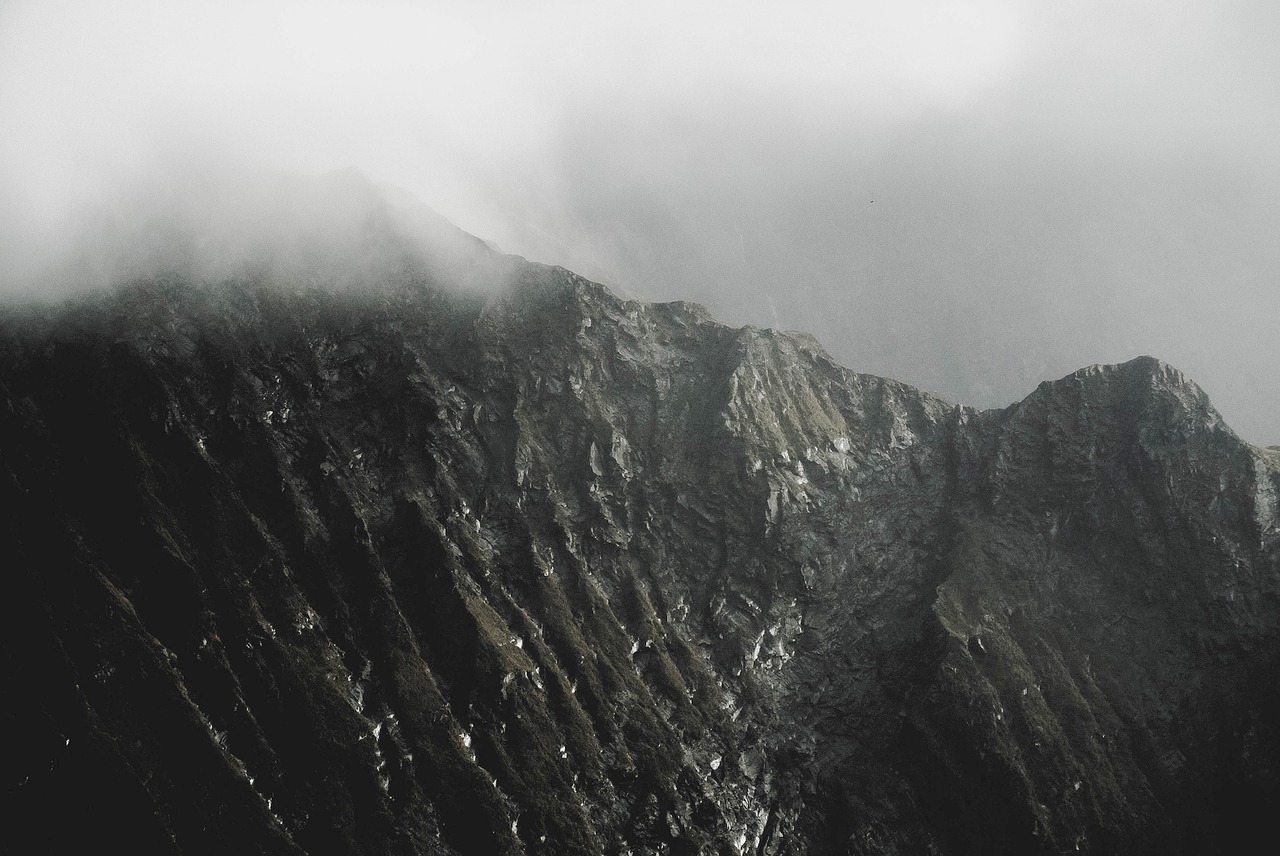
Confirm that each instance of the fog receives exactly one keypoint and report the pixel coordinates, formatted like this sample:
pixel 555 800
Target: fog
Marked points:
pixel 970 197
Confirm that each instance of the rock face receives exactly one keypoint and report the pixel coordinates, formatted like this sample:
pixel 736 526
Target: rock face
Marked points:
pixel 541 570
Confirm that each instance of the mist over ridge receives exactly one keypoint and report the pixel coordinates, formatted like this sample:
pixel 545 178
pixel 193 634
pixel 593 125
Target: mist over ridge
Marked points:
pixel 971 198
pixel 210 220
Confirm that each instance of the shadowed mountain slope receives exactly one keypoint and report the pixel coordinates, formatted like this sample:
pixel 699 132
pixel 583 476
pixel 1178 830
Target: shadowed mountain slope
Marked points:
pixel 417 570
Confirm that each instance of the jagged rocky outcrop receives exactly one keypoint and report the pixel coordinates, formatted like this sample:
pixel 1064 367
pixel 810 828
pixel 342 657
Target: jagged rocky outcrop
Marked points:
pixel 416 570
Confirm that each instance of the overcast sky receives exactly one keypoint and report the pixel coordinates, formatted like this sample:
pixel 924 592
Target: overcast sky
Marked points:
pixel 968 196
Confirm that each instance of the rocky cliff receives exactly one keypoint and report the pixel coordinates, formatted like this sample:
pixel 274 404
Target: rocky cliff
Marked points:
pixel 421 570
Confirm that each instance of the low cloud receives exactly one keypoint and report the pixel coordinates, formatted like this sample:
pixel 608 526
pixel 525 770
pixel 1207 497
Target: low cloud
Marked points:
pixel 971 197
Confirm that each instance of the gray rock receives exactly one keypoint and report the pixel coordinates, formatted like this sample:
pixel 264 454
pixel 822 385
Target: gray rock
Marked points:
pixel 547 571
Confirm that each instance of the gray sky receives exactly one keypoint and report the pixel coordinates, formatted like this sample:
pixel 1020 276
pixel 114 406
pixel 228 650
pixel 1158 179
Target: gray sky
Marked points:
pixel 971 197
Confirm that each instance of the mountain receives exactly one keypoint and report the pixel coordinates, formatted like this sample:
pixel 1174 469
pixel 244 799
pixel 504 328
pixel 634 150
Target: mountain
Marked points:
pixel 518 566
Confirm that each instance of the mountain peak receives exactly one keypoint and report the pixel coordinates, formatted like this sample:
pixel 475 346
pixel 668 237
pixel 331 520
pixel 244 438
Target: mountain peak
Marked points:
pixel 1141 368
pixel 485 559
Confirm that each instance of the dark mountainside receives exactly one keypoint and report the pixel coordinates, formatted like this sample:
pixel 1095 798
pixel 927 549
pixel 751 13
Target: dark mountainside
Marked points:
pixel 418 569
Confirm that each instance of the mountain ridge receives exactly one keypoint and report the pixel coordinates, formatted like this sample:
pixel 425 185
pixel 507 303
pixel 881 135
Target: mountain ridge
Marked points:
pixel 415 569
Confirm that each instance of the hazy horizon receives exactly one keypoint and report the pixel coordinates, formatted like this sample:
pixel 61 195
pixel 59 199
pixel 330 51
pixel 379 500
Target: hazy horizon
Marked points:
pixel 969 197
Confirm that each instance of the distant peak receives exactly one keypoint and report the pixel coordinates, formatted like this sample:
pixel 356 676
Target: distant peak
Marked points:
pixel 1145 369
pixel 1144 390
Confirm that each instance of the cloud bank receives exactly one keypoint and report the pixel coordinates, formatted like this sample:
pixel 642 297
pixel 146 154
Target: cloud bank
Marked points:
pixel 971 197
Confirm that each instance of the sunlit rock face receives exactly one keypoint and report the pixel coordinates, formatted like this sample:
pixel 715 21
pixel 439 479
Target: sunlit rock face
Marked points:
pixel 534 569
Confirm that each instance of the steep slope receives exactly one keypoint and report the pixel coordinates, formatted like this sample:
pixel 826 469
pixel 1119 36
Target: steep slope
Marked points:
pixel 418 570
